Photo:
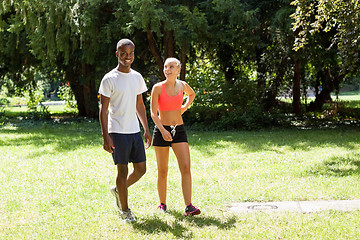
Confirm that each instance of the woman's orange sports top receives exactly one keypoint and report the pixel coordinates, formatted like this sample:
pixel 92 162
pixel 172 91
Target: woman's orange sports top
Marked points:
pixel 169 103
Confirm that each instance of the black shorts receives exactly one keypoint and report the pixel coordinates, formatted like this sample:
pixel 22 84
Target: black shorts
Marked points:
pixel 178 136
pixel 128 148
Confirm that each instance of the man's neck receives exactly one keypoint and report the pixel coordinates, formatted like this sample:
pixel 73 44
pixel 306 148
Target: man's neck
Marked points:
pixel 123 69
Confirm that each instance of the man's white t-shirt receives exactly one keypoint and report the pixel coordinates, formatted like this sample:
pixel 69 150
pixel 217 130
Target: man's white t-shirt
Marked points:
pixel 122 89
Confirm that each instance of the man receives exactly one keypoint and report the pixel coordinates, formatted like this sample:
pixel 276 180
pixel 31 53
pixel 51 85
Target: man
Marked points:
pixel 121 103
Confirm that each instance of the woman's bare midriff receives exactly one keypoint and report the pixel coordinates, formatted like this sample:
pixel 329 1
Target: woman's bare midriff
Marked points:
pixel 168 118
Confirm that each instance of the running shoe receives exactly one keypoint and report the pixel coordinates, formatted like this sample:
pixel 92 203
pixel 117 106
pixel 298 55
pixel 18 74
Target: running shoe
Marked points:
pixel 162 207
pixel 116 195
pixel 127 215
pixel 191 210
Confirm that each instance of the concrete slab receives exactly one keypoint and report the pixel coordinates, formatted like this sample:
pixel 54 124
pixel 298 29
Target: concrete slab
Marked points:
pixel 295 206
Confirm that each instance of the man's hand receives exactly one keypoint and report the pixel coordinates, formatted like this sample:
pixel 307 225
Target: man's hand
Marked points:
pixel 147 137
pixel 108 144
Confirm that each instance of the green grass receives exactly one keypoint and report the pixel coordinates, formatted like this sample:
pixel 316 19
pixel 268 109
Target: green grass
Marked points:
pixel 349 99
pixel 54 110
pixel 55 180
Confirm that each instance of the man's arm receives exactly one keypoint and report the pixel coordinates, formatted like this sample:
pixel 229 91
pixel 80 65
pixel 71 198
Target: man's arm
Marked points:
pixel 141 112
pixel 103 117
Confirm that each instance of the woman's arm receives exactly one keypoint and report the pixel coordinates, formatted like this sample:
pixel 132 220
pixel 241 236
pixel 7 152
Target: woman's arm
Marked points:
pixel 155 93
pixel 191 96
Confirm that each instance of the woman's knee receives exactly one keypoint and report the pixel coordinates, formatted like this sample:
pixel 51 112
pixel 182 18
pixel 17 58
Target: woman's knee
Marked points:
pixel 185 169
pixel 162 173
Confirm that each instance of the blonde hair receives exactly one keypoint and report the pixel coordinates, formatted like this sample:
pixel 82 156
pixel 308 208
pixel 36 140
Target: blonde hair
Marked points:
pixel 175 60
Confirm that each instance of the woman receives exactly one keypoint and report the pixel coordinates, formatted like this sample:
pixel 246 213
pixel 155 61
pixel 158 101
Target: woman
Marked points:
pixel 166 111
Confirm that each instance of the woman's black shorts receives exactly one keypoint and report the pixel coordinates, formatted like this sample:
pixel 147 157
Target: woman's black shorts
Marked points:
pixel 178 136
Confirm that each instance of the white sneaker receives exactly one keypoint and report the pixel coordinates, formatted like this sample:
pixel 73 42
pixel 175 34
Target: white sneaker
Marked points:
pixel 128 216
pixel 116 195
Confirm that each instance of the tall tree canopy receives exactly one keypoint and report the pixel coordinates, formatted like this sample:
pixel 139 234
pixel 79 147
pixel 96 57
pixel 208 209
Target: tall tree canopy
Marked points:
pixel 340 17
pixel 244 48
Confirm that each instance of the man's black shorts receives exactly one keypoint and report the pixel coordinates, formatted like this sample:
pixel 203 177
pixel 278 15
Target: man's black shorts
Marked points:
pixel 128 148
pixel 178 136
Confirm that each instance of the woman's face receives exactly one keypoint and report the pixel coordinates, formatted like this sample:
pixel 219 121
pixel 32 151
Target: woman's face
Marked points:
pixel 171 69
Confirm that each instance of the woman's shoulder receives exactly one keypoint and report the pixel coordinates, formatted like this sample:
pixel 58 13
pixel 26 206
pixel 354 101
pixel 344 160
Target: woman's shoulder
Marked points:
pixel 157 86
pixel 182 83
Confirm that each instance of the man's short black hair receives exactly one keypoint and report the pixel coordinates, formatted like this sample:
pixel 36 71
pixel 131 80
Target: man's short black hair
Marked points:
pixel 124 41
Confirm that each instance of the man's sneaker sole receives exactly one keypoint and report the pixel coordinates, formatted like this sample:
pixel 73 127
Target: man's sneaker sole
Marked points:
pixel 116 195
pixel 128 216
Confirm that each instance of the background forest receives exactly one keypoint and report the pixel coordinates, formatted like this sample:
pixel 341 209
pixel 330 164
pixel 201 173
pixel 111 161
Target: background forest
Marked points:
pixel 253 64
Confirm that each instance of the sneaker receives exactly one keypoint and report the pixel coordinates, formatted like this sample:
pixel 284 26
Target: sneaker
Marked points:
pixel 162 207
pixel 116 195
pixel 128 216
pixel 191 210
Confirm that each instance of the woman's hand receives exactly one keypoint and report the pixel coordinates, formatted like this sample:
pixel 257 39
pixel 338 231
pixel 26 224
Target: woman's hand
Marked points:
pixel 166 136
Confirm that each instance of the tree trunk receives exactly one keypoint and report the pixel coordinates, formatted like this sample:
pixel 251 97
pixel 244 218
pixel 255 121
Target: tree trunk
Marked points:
pixel 275 86
pixel 183 61
pixel 83 86
pixel 155 52
pixel 324 91
pixel 296 104
pixel 225 52
pixel 168 39
pixel 260 69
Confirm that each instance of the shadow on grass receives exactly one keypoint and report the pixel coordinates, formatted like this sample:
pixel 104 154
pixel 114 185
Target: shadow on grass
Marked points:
pixel 273 140
pixel 63 137
pixel 340 166
pixel 156 224
pixel 67 135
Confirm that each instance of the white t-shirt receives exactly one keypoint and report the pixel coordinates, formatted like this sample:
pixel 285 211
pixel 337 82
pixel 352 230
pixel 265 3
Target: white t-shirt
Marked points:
pixel 122 89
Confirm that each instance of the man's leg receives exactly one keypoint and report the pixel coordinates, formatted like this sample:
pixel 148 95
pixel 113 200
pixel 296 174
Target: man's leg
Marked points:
pixel 121 185
pixel 139 171
pixel 139 158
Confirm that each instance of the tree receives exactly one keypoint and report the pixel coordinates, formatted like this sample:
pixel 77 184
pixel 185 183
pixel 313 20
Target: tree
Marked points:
pixel 17 64
pixel 341 18
pixel 171 28
pixel 76 37
pixel 328 30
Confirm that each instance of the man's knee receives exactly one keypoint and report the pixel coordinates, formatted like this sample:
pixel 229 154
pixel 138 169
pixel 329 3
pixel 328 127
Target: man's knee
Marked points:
pixel 122 170
pixel 140 168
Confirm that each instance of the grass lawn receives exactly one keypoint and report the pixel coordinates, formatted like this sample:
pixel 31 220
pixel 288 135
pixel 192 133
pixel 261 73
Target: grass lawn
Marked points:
pixel 13 111
pixel 55 180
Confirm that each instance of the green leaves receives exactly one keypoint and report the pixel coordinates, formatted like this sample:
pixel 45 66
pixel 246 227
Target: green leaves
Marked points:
pixel 326 15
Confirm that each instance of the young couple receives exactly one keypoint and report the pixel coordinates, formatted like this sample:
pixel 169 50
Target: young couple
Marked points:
pixel 121 103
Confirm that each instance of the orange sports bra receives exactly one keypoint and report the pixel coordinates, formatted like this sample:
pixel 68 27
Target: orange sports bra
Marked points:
pixel 169 103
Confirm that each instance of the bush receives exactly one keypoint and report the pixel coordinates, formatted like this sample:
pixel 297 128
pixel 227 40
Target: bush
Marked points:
pixel 4 102
pixel 224 118
pixel 65 93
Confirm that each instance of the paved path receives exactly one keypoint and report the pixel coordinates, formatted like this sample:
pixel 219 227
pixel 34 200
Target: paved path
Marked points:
pixel 297 206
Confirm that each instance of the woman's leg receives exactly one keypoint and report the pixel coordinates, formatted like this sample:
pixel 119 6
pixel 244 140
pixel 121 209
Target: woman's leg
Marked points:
pixel 162 159
pixel 182 154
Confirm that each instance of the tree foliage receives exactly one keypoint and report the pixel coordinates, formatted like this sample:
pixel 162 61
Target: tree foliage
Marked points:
pixel 340 17
pixel 239 55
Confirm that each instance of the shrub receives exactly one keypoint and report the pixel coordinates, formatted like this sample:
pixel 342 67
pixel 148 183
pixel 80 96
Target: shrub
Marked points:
pixel 4 102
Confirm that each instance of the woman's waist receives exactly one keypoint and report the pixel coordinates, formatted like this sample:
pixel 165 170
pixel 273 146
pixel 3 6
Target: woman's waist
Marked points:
pixel 171 118
pixel 179 128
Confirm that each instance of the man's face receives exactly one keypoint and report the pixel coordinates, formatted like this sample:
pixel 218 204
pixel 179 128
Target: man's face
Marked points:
pixel 125 55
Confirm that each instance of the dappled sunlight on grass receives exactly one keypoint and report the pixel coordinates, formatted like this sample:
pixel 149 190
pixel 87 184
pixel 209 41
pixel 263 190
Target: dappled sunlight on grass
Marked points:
pixel 55 181
pixel 346 165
